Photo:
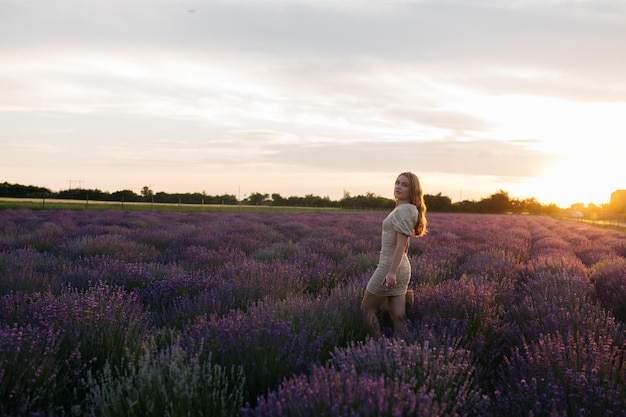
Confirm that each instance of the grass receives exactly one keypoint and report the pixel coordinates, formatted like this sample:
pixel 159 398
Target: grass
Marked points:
pixel 616 224
pixel 58 204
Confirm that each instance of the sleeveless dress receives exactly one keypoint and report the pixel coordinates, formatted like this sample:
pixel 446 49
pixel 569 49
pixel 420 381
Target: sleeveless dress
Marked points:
pixel 402 219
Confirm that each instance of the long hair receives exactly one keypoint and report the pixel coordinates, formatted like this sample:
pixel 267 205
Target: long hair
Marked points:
pixel 416 197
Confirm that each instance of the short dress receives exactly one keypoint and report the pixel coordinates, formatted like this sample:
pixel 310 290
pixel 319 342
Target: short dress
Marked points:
pixel 402 219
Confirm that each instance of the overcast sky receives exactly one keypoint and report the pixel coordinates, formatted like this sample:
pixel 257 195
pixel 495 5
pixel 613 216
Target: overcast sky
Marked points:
pixel 316 96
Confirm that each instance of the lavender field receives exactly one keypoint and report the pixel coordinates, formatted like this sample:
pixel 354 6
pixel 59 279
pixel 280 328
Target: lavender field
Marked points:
pixel 115 313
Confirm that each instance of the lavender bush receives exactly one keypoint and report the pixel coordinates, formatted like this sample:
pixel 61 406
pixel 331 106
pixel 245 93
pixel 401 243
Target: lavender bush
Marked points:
pixel 328 392
pixel 576 374
pixel 35 370
pixel 265 346
pixel 512 315
pixel 104 323
pixel 609 279
pixel 445 371
pixel 170 382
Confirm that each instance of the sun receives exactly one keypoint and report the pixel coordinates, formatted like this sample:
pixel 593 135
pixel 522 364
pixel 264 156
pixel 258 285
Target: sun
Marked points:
pixel 580 178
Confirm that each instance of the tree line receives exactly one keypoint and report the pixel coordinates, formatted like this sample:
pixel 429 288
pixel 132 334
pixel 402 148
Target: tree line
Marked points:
pixel 500 202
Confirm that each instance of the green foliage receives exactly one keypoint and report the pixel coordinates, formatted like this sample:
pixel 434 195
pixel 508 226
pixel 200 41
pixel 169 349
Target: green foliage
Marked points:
pixel 438 203
pixel 309 200
pixel 497 203
pixel 22 191
pixel 258 199
pixel 369 200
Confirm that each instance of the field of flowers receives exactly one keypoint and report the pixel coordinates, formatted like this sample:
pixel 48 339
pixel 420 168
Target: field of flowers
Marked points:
pixel 118 313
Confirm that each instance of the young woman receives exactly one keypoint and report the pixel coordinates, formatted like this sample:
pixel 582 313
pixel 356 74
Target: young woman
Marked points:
pixel 391 277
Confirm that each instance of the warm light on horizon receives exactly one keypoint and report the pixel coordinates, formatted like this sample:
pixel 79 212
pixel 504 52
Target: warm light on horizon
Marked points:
pixel 563 186
pixel 189 104
pixel 579 179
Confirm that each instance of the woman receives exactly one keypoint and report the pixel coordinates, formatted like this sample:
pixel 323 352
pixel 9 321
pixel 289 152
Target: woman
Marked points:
pixel 391 277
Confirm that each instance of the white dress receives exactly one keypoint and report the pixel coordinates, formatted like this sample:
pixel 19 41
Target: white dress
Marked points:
pixel 402 219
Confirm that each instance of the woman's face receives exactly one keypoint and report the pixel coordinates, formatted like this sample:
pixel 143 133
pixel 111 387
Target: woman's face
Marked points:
pixel 401 190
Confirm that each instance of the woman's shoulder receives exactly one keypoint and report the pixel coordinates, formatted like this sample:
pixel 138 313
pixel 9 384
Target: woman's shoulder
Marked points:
pixel 407 208
pixel 405 211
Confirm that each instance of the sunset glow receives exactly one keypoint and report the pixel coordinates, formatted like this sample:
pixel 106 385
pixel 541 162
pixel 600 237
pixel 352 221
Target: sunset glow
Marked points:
pixel 581 179
pixel 315 97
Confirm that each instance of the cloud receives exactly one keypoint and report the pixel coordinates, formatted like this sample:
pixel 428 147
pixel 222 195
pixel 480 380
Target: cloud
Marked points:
pixel 447 32
pixel 240 52
pixel 488 89
pixel 474 158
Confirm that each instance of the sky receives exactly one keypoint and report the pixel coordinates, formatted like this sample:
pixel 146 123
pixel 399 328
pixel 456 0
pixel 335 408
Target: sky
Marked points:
pixel 322 97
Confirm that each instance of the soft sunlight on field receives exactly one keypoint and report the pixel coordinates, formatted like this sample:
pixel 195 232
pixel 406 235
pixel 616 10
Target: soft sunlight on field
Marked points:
pixel 258 315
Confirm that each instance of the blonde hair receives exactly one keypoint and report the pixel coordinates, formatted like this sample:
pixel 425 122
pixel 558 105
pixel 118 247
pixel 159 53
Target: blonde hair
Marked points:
pixel 416 197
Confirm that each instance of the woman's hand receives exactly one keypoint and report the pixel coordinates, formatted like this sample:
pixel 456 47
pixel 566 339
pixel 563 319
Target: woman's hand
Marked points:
pixel 390 280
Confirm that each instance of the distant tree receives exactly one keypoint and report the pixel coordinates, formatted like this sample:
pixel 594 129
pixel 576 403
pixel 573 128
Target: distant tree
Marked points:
pixel 295 201
pixel 22 191
pixel 496 203
pixel 499 202
pixel 162 197
pixel 465 206
pixel 278 200
pixel 311 200
pixel 147 193
pixel 517 206
pixel 83 194
pixel 125 195
pixel 532 206
pixel 258 199
pixel 229 199
pixel 551 209
pixel 367 201
pixel 194 198
pixel 438 203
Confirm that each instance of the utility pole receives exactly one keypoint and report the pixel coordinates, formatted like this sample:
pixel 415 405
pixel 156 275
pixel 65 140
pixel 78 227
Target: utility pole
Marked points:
pixel 80 183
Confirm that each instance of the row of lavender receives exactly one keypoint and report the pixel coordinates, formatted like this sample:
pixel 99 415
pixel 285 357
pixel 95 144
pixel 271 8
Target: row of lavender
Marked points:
pixel 257 314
